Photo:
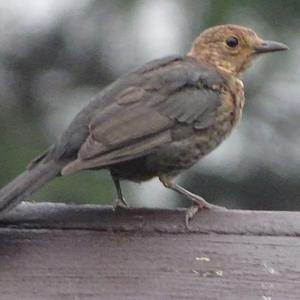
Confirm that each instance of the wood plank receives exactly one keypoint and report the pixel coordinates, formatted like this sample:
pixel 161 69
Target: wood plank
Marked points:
pixel 103 218
pixel 101 265
pixel 88 252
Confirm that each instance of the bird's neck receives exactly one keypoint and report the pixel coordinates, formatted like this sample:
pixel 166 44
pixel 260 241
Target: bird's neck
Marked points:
pixel 212 58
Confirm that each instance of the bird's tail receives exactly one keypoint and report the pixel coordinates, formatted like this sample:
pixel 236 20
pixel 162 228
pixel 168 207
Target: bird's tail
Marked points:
pixel 27 183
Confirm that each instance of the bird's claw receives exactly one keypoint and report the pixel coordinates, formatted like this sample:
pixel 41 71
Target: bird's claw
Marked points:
pixel 192 211
pixel 189 213
pixel 120 203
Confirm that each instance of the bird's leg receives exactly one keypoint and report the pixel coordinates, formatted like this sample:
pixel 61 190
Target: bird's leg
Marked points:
pixel 198 201
pixel 120 201
pixel 177 188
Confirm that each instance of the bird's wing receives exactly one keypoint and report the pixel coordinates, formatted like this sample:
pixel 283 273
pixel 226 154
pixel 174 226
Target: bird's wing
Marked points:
pixel 140 118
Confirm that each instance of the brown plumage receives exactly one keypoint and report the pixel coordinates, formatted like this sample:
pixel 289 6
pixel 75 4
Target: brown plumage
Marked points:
pixel 156 121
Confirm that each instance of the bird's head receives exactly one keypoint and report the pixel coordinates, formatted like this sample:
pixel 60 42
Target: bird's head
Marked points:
pixel 231 47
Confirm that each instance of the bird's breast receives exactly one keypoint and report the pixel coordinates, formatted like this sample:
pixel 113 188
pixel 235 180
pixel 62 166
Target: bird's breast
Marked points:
pixel 231 106
pixel 227 116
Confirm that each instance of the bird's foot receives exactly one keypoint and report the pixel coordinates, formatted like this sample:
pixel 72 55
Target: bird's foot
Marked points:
pixel 120 203
pixel 199 204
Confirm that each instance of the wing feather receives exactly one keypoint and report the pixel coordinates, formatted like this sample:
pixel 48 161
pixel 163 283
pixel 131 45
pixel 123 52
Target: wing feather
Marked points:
pixel 119 155
pixel 141 117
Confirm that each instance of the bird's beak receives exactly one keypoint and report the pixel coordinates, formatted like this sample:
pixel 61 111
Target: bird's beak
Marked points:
pixel 270 46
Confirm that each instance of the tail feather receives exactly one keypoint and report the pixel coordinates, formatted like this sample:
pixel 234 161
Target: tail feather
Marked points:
pixel 27 183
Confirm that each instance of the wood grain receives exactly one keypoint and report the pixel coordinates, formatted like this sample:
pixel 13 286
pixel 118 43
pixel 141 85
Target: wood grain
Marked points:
pixel 88 252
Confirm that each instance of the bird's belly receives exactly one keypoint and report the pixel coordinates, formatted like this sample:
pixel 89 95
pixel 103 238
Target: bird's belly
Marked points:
pixel 183 154
pixel 172 158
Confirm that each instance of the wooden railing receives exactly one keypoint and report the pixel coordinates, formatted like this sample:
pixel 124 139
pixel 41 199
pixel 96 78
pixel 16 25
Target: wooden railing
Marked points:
pixel 57 251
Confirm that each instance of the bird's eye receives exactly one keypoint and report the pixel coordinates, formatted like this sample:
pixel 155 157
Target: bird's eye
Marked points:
pixel 232 42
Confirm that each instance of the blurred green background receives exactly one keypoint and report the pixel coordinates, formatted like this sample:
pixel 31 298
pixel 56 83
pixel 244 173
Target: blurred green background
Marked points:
pixel 55 55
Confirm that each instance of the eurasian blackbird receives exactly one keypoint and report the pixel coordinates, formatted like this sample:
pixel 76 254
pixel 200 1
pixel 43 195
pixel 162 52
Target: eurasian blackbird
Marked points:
pixel 158 120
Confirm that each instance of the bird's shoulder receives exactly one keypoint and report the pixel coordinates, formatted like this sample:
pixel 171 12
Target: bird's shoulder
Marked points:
pixel 182 69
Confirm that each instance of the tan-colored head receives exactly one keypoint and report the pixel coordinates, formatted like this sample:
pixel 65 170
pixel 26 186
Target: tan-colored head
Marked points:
pixel 231 47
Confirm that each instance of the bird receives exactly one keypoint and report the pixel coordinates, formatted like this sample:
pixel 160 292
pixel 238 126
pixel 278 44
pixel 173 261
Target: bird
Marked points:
pixel 156 121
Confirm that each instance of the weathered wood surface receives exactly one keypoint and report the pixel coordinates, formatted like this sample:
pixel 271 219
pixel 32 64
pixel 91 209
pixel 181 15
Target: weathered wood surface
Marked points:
pixel 89 252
